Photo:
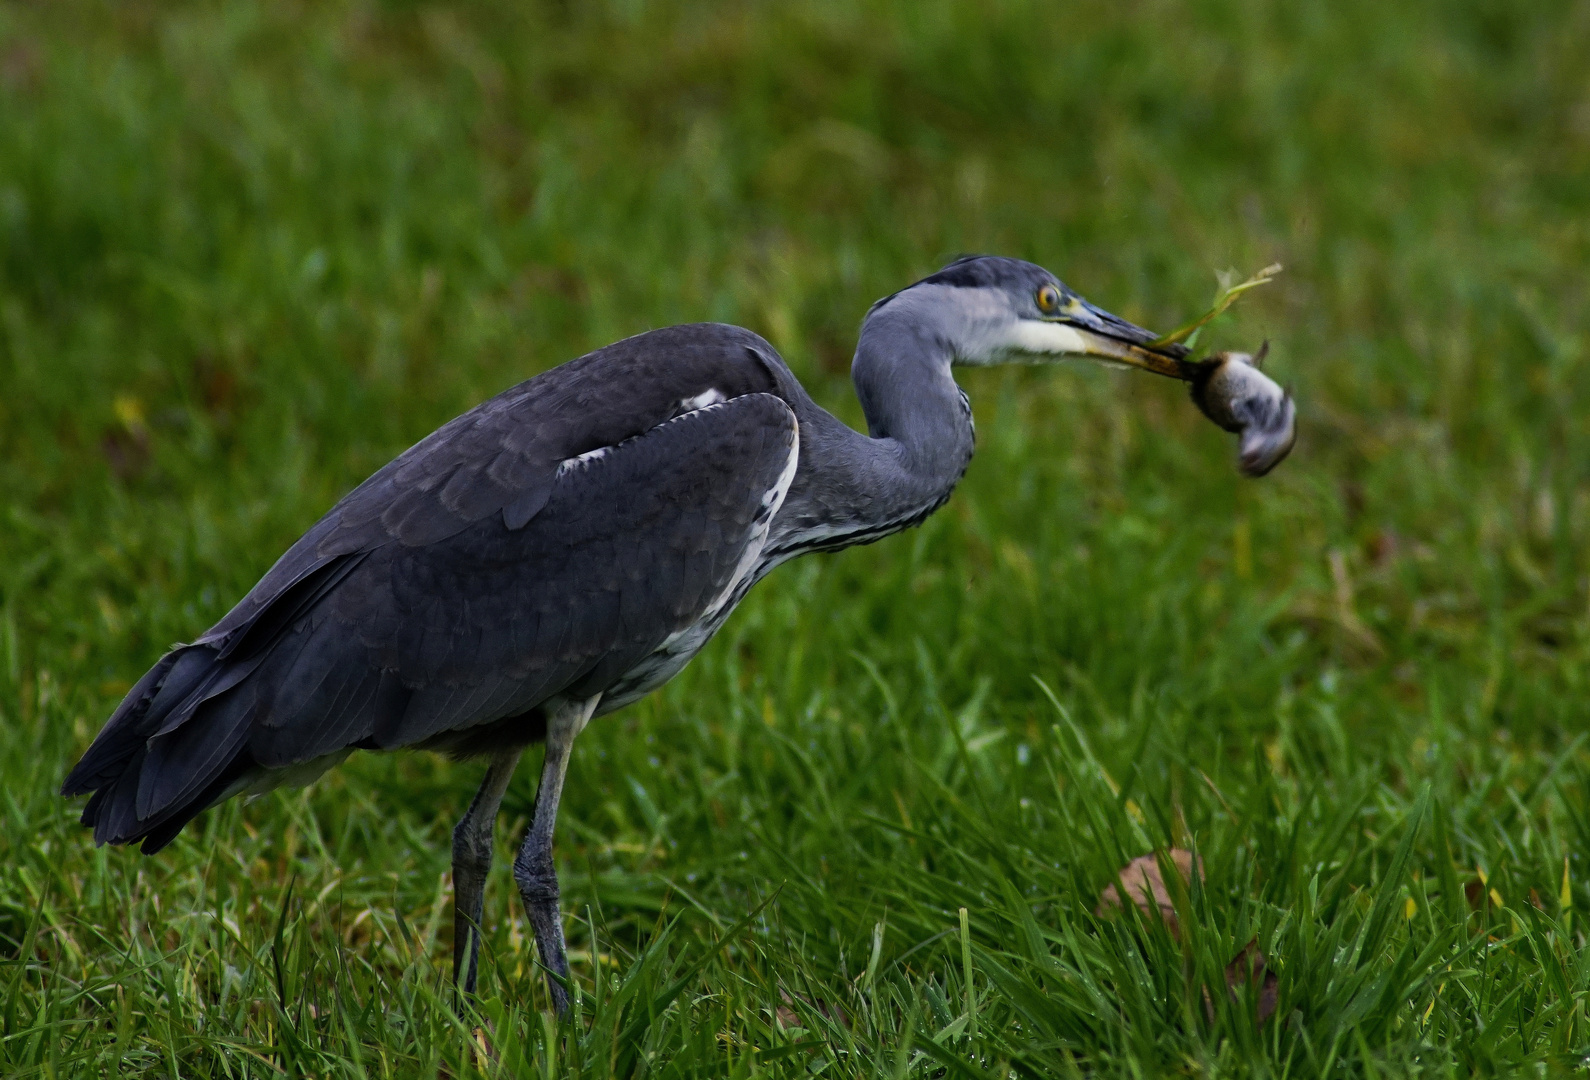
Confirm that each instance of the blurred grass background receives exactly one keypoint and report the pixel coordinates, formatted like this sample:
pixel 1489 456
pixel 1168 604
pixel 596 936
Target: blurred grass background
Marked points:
pixel 248 252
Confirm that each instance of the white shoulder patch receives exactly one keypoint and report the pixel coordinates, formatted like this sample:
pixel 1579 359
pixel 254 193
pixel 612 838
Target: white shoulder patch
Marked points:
pixel 710 396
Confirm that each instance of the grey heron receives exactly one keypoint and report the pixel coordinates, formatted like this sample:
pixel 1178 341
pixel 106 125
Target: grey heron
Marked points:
pixel 566 547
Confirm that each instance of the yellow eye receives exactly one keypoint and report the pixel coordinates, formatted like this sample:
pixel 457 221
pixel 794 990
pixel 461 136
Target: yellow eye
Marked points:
pixel 1048 299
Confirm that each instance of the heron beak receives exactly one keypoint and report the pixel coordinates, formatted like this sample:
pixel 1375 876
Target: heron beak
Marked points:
pixel 1110 337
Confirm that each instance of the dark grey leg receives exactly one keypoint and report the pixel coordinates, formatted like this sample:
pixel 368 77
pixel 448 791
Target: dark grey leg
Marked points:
pixel 533 869
pixel 471 864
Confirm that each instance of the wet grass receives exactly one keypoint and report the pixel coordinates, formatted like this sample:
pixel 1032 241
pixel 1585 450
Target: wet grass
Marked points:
pixel 249 252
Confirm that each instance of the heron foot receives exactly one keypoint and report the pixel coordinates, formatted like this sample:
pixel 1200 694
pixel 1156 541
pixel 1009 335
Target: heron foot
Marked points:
pixel 471 866
pixel 470 870
pixel 538 887
pixel 533 868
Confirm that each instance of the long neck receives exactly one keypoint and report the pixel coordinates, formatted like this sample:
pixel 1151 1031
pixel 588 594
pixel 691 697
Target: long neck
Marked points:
pixel 854 488
pixel 902 376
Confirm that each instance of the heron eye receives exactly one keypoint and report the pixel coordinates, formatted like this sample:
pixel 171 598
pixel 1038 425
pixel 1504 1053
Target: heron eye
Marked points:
pixel 1049 299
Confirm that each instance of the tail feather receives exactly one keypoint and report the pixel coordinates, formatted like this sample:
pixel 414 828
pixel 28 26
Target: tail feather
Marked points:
pixel 183 762
pixel 117 820
pixel 179 740
pixel 166 831
pixel 123 733
pixel 96 805
pixel 172 747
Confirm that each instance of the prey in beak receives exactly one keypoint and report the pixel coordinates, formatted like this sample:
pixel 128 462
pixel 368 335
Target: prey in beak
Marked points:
pixel 1229 388
pixel 1232 389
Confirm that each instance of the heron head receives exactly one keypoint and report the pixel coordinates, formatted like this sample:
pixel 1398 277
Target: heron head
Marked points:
pixel 993 310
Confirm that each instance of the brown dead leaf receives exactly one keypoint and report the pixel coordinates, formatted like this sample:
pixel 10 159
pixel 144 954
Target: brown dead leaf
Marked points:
pixel 1145 884
pixel 1248 967
pixel 789 1018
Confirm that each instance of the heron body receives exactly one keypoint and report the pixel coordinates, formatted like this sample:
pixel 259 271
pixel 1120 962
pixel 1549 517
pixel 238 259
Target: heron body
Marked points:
pixel 560 551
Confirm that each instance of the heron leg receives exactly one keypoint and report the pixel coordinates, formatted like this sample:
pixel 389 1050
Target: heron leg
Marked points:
pixel 471 864
pixel 533 869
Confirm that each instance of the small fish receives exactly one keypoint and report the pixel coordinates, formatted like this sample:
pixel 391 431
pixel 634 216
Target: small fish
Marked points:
pixel 1231 389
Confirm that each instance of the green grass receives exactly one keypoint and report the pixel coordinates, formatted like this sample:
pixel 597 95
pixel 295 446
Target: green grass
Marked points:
pixel 250 251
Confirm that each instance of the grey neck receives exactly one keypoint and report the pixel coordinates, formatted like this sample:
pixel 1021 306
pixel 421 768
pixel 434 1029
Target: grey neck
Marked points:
pixel 855 488
pixel 902 375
